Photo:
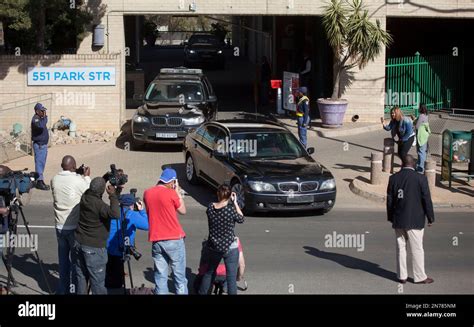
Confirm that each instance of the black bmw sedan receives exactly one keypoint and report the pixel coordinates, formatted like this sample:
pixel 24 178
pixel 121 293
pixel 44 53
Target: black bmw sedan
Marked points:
pixel 265 164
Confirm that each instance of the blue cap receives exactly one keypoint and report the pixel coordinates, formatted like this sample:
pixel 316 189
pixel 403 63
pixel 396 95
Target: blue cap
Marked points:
pixel 303 89
pixel 168 175
pixel 127 200
pixel 39 106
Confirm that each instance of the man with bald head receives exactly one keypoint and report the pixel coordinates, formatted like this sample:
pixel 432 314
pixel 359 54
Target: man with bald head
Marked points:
pixel 68 187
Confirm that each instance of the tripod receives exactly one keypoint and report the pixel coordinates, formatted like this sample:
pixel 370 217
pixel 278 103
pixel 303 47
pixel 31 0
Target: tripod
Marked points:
pixel 125 247
pixel 16 211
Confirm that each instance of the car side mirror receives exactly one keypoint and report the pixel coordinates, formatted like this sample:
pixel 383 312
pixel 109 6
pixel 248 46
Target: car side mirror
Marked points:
pixel 138 97
pixel 186 43
pixel 212 98
pixel 310 150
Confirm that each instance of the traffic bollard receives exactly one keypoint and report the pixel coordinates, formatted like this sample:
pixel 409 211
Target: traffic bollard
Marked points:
pixel 376 168
pixel 388 152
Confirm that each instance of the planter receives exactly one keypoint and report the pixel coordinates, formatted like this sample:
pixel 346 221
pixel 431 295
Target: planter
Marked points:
pixel 332 112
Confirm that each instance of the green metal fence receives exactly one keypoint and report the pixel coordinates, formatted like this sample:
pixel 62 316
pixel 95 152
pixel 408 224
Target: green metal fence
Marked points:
pixel 436 81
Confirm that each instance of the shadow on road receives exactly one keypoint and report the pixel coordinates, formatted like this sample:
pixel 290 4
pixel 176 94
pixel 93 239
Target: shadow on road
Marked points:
pixel 27 265
pixel 352 263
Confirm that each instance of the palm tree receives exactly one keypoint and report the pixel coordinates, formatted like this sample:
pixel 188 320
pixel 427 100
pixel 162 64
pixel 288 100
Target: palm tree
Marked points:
pixel 354 39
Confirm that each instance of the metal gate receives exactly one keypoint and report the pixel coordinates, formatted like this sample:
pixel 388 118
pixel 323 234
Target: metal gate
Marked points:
pixel 436 81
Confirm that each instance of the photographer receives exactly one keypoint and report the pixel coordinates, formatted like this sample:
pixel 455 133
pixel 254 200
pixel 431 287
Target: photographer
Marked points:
pixel 130 220
pixel 90 253
pixel 68 186
pixel 163 202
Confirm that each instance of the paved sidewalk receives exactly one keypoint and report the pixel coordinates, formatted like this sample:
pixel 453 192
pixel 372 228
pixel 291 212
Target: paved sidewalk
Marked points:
pixel 461 195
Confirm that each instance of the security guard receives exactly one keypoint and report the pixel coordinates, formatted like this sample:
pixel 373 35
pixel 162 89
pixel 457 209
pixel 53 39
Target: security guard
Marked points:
pixel 40 138
pixel 302 114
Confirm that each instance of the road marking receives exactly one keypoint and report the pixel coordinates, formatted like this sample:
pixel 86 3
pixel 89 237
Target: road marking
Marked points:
pixel 37 226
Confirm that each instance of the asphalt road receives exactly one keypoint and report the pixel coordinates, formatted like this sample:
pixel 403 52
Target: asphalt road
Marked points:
pixel 283 254
pixel 286 255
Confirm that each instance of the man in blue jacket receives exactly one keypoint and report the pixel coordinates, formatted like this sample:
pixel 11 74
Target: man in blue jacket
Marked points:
pixel 130 220
pixel 40 138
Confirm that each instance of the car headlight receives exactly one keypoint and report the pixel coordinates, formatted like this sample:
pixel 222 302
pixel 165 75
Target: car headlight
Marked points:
pixel 262 187
pixel 140 119
pixel 219 52
pixel 194 121
pixel 191 51
pixel 329 184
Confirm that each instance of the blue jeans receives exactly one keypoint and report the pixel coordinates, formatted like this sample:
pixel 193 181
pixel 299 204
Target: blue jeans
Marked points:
pixel 302 131
pixel 171 252
pixel 89 265
pixel 422 150
pixel 231 261
pixel 65 248
pixel 41 153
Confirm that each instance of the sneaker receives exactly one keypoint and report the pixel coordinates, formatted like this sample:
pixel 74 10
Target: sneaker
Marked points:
pixel 40 185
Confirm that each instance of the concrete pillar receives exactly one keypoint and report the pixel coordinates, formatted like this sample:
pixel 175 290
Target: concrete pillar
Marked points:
pixel 376 168
pixel 388 153
pixel 430 173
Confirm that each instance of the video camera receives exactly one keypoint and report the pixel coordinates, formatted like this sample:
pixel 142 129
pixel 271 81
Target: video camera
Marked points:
pixel 81 170
pixel 15 183
pixel 116 177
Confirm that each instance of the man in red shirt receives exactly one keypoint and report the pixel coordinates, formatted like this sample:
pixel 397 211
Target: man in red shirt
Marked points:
pixel 163 203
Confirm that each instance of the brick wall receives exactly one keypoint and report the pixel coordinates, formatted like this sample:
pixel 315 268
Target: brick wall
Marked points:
pixel 91 107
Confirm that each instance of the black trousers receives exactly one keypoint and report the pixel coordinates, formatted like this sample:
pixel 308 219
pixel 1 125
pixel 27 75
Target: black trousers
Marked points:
pixel 115 272
pixel 404 147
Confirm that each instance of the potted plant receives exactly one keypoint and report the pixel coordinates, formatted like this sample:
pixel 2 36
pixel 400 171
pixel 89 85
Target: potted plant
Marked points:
pixel 355 41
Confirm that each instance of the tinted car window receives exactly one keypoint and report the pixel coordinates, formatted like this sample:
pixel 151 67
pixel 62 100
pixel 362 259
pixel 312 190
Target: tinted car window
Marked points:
pixel 209 136
pixel 274 145
pixel 220 141
pixel 170 91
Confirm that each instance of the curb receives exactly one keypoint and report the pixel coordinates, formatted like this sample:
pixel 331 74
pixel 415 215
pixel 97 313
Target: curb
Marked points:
pixel 358 189
pixel 337 132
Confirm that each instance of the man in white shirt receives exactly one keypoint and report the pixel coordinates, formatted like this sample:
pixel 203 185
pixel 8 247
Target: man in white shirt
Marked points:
pixel 68 187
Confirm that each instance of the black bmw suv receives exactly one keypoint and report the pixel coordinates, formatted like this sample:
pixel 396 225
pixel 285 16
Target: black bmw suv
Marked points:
pixel 264 163
pixel 177 100
pixel 204 49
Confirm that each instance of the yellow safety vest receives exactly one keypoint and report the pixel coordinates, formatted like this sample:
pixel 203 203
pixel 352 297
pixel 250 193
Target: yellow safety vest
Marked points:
pixel 303 98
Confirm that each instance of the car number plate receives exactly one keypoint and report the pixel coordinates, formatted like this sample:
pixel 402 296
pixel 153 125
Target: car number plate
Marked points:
pixel 166 135
pixel 300 199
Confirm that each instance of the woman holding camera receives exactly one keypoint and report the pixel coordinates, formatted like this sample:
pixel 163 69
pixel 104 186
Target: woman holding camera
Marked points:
pixel 222 243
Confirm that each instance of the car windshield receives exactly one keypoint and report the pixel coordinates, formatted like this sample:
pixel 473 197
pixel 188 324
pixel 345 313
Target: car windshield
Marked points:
pixel 265 146
pixel 174 91
pixel 207 39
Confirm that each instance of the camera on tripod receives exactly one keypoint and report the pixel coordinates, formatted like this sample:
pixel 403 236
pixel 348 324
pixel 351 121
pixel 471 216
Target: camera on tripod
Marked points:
pixel 16 183
pixel 116 177
pixel 132 250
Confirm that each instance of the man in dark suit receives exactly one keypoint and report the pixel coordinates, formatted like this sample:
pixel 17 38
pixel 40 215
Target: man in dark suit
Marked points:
pixel 408 203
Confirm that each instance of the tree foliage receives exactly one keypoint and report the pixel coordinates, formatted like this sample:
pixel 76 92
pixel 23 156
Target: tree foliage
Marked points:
pixel 354 38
